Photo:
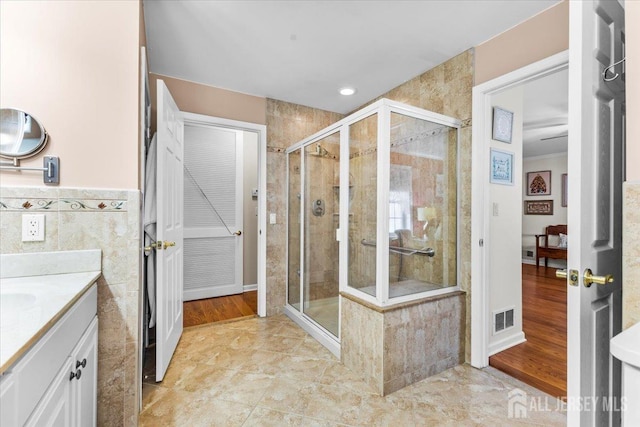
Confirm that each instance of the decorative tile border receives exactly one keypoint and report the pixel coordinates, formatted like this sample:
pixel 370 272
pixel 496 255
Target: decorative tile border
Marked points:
pixel 63 205
pixel 11 204
pixel 86 205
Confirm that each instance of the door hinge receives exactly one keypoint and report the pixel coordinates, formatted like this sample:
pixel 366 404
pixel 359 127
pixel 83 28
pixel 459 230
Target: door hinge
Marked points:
pixel 481 242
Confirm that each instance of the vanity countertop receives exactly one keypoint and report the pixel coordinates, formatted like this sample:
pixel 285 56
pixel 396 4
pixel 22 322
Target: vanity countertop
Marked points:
pixel 31 305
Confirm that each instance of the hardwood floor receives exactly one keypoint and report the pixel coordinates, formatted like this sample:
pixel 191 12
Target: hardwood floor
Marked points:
pixel 541 361
pixel 199 312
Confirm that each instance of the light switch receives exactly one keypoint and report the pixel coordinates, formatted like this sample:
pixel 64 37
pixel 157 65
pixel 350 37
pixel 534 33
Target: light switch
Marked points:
pixel 272 218
pixel 495 209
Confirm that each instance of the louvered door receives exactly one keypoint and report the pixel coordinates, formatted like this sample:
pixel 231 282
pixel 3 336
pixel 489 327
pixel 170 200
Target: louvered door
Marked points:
pixel 213 211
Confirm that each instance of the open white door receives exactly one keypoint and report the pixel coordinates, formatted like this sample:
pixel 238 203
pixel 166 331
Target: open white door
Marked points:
pixel 596 139
pixel 169 248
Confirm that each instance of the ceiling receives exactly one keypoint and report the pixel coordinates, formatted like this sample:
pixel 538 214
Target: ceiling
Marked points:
pixel 545 115
pixel 304 51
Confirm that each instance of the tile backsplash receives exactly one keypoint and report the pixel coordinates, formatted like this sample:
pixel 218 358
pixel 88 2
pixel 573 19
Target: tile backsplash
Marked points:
pixel 109 220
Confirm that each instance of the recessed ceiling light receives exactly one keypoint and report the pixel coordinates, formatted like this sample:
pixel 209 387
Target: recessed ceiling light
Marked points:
pixel 347 91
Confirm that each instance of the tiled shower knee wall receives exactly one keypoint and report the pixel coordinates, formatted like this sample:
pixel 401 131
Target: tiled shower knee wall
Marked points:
pixel 400 346
pixel 93 219
pixel 631 254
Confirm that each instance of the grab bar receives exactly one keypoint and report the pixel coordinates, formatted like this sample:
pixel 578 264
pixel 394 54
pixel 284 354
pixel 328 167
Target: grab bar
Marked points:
pixel 430 252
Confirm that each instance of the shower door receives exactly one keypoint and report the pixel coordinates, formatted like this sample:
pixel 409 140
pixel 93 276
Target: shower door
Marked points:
pixel 320 205
pixel 314 191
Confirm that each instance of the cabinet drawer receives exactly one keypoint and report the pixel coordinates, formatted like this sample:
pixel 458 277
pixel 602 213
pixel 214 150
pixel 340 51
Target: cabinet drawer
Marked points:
pixel 38 368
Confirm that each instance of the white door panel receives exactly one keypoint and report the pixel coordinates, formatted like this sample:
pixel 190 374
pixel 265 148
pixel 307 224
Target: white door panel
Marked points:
pixel 213 254
pixel 169 274
pixel 596 143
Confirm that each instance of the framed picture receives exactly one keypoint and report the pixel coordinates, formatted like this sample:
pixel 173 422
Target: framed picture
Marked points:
pixel 538 207
pixel 539 183
pixel 565 184
pixel 502 125
pixel 501 167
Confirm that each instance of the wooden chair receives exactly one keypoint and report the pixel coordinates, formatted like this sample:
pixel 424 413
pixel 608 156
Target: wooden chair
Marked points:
pixel 545 251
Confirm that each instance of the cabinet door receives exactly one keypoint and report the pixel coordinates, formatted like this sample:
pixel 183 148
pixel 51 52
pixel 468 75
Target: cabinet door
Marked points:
pixel 9 399
pixel 54 408
pixel 84 386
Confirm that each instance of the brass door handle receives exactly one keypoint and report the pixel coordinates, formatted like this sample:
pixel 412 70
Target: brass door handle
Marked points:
pixel 159 245
pixel 238 233
pixel 574 276
pixel 589 278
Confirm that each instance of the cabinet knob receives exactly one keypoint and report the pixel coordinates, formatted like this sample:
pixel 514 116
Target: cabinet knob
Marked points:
pixel 81 364
pixel 75 375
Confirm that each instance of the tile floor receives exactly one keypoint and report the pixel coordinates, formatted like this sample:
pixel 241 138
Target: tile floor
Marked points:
pixel 269 372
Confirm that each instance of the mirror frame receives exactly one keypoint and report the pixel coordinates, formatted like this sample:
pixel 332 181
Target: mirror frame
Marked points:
pixel 44 139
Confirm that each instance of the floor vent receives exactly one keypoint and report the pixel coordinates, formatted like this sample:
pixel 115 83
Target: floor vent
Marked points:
pixel 502 320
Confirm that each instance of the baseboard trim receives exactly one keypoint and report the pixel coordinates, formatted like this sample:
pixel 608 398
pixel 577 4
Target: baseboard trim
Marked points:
pixel 506 343
pixel 249 288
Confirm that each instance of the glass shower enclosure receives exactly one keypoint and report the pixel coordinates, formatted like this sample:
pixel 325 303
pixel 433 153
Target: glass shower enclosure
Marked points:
pixel 372 212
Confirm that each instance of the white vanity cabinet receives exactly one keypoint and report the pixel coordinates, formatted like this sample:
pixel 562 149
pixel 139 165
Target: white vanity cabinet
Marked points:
pixel 55 382
pixel 71 398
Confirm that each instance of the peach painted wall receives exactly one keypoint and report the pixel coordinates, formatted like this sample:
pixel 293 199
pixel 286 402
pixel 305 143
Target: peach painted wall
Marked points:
pixel 632 17
pixel 545 34
pixel 209 100
pixel 74 66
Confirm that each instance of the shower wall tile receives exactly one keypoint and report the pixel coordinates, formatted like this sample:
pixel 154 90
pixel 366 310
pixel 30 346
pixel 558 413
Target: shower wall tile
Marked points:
pixel 631 255
pixel 414 349
pixel 93 219
pixel 362 342
pixel 287 124
pixel 398 347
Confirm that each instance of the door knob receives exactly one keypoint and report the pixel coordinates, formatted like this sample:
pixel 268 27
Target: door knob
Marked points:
pixel 168 244
pixel 589 278
pixel 238 233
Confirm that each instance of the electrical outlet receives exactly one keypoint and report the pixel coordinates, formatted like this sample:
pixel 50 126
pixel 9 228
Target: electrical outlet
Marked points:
pixel 33 228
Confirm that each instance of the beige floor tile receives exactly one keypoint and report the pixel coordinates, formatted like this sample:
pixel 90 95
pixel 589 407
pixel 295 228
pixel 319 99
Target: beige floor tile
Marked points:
pixel 269 372
pixel 264 417
pixel 285 395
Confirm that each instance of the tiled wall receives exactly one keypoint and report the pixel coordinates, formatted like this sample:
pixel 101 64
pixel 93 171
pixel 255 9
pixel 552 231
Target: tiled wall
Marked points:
pixel 631 254
pixel 394 348
pixel 287 124
pixel 93 219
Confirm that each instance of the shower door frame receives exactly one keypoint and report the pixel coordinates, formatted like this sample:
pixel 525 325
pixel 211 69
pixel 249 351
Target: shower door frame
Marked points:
pixel 306 322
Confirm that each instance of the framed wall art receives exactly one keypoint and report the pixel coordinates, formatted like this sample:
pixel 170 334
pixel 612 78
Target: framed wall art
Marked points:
pixel 538 207
pixel 565 185
pixel 502 125
pixel 501 167
pixel 539 183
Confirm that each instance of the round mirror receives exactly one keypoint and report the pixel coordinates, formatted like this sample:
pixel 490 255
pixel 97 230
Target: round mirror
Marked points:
pixel 21 135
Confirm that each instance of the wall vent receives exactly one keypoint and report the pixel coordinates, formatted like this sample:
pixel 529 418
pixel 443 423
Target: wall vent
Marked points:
pixel 528 253
pixel 503 319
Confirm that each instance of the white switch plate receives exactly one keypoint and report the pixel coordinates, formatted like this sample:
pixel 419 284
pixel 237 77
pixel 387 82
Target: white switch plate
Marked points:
pixel 33 228
pixel 496 209
pixel 272 218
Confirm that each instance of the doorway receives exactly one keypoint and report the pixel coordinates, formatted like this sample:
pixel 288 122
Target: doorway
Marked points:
pixel 222 230
pixel 498 220
pixel 540 203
